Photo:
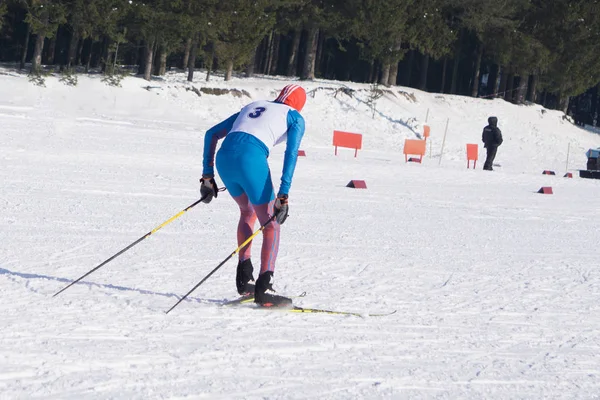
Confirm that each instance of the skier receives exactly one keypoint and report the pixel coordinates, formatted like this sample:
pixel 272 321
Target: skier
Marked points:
pixel 242 164
pixel 492 137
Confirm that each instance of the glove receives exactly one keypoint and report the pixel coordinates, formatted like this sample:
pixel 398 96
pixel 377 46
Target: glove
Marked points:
pixel 281 208
pixel 208 188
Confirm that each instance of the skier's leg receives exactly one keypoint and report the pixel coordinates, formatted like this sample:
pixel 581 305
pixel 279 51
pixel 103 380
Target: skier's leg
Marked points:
pixel 245 225
pixel 270 245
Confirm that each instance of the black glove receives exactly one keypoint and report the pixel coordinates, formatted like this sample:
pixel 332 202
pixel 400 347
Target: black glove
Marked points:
pixel 281 208
pixel 208 188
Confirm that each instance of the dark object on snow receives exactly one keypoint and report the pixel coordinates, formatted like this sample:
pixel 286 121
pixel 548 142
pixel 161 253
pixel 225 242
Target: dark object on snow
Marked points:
pixel 593 165
pixel 492 138
pixel 589 174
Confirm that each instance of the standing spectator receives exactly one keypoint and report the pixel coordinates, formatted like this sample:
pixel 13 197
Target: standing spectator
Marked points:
pixel 492 138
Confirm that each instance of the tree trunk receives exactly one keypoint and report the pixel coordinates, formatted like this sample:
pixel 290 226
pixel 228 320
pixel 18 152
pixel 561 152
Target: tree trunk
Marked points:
pixel 79 51
pixel 503 80
pixel 162 63
pixel 385 74
pixel 393 75
pixel 36 61
pixel 210 63
pixel 308 69
pixel 51 50
pixel 269 59
pixel 369 73
pixel 475 91
pixel 532 90
pixel 492 80
pixel 261 55
pixel 72 53
pixel 229 71
pixel 424 70
pixel 563 103
pixel 251 64
pixel 105 58
pixel 320 52
pixel 444 69
pixel 457 51
pixel 522 90
pixel 186 52
pixel 544 98
pixel 25 49
pixel 596 105
pixel 454 81
pixel 89 58
pixel 293 60
pixel 149 57
pixel 191 64
pixel 275 54
pixel 108 63
pixel 408 74
pixel 510 84
pixel 374 72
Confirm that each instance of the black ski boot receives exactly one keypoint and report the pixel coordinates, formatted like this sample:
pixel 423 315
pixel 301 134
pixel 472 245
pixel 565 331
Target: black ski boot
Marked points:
pixel 261 297
pixel 244 276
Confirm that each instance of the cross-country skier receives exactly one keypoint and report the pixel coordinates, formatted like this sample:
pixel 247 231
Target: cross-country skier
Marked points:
pixel 242 164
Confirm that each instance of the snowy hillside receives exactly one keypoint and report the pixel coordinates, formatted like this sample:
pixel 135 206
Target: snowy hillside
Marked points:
pixel 496 287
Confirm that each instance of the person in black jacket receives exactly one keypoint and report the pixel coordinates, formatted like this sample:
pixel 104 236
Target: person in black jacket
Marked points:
pixel 492 138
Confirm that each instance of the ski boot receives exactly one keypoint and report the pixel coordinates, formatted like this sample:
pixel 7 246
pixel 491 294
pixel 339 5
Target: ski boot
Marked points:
pixel 264 299
pixel 244 276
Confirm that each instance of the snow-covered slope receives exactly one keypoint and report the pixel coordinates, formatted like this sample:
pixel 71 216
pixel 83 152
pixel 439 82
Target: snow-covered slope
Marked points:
pixel 495 285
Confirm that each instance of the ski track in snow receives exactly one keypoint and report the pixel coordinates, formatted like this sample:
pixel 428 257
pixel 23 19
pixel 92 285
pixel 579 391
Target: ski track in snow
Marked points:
pixel 496 286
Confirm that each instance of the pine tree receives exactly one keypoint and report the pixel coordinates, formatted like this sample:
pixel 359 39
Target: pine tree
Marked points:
pixel 429 32
pixel 240 26
pixel 43 17
pixel 380 28
pixel 571 30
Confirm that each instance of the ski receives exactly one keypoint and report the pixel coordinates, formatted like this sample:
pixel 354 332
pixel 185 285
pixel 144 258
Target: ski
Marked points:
pixel 297 309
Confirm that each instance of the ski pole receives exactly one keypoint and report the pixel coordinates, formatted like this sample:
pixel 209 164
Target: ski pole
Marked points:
pixel 241 246
pixel 131 245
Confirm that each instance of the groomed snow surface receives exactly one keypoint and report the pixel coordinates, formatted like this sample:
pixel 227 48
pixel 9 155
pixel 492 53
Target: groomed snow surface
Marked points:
pixel 496 287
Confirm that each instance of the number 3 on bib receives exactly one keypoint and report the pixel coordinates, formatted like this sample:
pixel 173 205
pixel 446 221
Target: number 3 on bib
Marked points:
pixel 257 112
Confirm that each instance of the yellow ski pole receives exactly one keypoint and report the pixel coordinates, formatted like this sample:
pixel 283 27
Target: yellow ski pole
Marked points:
pixel 173 218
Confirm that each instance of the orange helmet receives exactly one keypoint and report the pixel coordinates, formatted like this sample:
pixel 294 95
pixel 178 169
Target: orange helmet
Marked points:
pixel 293 96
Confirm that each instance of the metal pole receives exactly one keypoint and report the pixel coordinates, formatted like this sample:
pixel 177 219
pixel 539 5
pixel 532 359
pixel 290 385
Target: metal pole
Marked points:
pixel 568 151
pixel 444 141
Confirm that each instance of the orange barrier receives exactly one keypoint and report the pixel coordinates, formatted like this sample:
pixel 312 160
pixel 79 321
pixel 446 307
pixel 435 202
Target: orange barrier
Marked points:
pixel 426 131
pixel 414 147
pixel 347 139
pixel 472 154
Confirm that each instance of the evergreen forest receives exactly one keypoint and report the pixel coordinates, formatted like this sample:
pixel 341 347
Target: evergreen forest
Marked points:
pixel 542 51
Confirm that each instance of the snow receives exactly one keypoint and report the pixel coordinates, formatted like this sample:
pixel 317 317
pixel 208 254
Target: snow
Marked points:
pixel 496 286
